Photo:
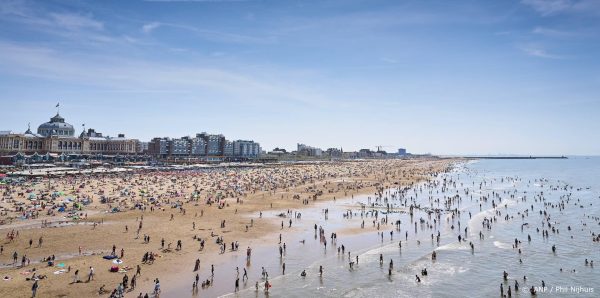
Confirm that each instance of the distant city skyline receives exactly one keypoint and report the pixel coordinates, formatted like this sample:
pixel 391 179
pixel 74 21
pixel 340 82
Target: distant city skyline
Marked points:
pixel 447 78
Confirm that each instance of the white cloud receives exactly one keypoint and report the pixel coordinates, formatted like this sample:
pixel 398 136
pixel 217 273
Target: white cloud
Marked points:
pixel 148 28
pixel 554 7
pixel 76 21
pixel 118 73
pixel 389 60
pixel 548 7
pixel 13 7
pixel 212 35
pixel 539 52
pixel 552 32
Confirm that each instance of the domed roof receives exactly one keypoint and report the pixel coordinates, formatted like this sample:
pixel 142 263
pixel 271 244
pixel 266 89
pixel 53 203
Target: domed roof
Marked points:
pixel 56 126
pixel 30 134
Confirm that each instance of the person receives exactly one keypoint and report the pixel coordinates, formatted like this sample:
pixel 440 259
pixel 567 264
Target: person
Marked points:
pixel 418 279
pixel 76 276
pixel 321 271
pixel 237 284
pixel 133 282
pixel 303 274
pixel 34 289
pixel 91 274
pixel 156 287
pixel 197 266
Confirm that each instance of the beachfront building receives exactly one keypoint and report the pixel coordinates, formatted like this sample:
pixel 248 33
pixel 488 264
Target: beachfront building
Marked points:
pixel 180 147
pixel 198 146
pixel 143 147
pixel 334 152
pixel 365 153
pixel 246 149
pixel 57 137
pixel 215 144
pixel 203 146
pixel 228 149
pixel 159 147
pixel 304 150
pixel 401 152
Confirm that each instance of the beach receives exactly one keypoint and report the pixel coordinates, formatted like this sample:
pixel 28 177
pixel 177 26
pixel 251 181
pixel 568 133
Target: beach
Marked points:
pixel 123 209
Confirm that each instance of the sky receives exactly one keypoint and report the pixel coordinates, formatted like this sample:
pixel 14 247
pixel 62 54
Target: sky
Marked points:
pixel 441 77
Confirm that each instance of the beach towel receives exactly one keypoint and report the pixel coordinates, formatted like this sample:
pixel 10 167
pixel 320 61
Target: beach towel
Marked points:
pixel 109 257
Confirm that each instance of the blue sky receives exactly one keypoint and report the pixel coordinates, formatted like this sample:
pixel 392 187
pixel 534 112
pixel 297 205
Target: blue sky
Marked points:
pixel 446 77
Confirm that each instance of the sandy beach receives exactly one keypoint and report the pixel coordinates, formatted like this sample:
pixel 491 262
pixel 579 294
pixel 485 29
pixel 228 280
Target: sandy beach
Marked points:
pixel 121 210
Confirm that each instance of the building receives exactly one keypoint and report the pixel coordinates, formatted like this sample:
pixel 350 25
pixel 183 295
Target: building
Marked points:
pixel 304 150
pixel 204 146
pixel 198 146
pixel 58 137
pixel 401 152
pixel 228 149
pixel 180 147
pixel 364 153
pixel 215 144
pixel 159 147
pixel 246 149
pixel 143 147
pixel 334 152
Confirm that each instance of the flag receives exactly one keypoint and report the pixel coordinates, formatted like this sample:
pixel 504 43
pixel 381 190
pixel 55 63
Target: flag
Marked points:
pixel 58 104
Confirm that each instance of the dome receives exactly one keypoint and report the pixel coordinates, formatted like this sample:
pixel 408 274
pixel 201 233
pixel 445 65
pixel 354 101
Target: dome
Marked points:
pixel 56 127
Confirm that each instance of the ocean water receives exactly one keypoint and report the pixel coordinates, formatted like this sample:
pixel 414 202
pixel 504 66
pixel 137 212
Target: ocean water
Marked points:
pixel 459 271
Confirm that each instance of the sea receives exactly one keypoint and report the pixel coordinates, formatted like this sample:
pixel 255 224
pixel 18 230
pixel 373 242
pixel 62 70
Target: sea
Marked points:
pixel 520 188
